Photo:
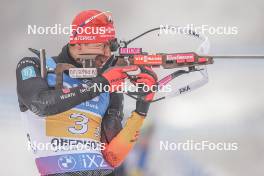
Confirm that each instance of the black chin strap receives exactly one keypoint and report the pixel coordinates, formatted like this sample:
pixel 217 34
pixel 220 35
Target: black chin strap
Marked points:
pixel 109 63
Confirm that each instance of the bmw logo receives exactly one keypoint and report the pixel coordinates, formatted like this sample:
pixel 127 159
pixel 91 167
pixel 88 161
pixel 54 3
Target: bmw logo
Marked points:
pixel 66 162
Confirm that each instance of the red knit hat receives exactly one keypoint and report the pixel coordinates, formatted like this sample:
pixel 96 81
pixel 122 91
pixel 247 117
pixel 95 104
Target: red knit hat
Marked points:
pixel 92 26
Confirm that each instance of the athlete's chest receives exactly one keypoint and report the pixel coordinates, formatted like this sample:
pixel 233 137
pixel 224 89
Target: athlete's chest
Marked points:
pixel 97 105
pixel 83 120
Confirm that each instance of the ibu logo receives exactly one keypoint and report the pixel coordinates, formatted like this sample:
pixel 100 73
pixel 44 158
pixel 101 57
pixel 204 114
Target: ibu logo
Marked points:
pixel 66 162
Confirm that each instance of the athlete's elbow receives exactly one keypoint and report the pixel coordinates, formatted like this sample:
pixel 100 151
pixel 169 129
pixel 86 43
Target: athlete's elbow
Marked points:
pixel 44 108
pixel 45 104
pixel 41 110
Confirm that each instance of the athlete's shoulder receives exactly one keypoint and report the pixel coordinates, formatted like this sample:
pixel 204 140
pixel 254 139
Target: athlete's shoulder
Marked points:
pixel 27 67
pixel 28 61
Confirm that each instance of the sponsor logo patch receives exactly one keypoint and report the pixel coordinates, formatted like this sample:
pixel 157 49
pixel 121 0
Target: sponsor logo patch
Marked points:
pixel 147 59
pixel 83 72
pixel 66 162
pixel 181 57
pixel 28 72
pixel 130 51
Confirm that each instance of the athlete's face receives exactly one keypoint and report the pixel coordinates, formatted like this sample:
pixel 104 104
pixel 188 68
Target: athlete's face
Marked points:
pixel 98 52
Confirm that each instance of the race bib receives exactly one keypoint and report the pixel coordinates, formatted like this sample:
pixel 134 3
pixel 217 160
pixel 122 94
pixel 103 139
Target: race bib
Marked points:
pixel 74 124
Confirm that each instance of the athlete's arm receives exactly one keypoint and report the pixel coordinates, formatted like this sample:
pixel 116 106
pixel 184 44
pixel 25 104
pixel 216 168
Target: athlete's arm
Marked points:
pixel 119 147
pixel 118 141
pixel 35 94
pixel 112 120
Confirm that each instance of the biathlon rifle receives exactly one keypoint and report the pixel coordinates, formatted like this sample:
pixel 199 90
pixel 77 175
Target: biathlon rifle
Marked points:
pixel 187 62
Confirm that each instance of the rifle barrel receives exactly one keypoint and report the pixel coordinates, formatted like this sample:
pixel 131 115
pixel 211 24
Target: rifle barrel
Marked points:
pixel 238 57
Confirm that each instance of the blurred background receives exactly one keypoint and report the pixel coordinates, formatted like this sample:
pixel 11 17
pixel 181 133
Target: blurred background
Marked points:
pixel 228 109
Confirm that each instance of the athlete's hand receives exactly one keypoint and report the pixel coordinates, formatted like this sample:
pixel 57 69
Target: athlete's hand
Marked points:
pixel 116 76
pixel 147 78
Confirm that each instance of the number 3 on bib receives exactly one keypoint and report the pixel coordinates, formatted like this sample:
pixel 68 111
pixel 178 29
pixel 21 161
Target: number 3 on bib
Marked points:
pixel 81 126
pixel 73 124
